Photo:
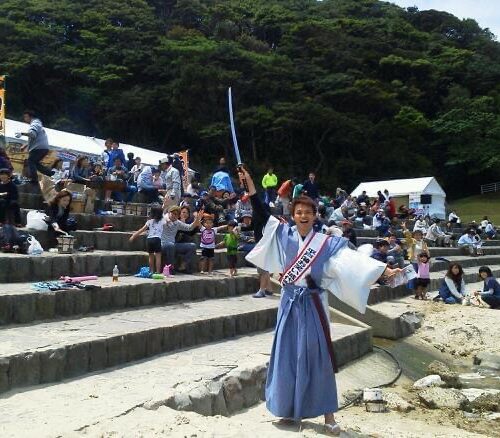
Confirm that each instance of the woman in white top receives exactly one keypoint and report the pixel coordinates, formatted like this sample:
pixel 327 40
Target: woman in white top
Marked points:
pixel 137 168
pixel 420 225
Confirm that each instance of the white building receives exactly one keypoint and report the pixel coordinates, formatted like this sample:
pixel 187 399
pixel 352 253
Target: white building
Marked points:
pixel 425 195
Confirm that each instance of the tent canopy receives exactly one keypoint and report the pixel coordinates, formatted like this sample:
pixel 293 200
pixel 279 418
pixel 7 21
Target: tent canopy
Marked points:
pixel 81 143
pixel 400 187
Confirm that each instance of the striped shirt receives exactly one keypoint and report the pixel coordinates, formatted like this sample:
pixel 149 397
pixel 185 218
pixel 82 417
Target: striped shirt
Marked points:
pixel 170 230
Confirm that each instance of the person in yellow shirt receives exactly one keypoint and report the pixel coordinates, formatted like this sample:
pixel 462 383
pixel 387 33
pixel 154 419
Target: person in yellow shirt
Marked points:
pixel 269 183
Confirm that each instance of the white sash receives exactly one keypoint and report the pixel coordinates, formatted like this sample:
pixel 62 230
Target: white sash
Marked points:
pixel 304 259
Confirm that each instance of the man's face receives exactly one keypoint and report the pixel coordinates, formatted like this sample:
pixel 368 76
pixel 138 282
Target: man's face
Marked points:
pixel 118 163
pixel 383 249
pixel 138 161
pixel 115 145
pixel 312 177
pixel 26 118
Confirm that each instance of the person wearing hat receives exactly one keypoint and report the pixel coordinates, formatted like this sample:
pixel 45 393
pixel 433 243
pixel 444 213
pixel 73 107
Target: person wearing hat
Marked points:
pixel 172 182
pixel 8 199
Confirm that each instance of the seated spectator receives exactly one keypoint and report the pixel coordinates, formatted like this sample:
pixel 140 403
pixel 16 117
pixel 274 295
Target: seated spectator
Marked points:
pixel 146 185
pixel 246 234
pixel 60 176
pixel 381 198
pixel 230 207
pixel 490 231
pixel 58 219
pixel 5 162
pixel 337 217
pixel 120 173
pixel 171 248
pixel 136 169
pixel 491 288
pixel 395 250
pixel 484 222
pixel 452 289
pixel 97 174
pixel 194 188
pixel 81 183
pixel 361 215
pixel 469 243
pixel 421 225
pixel 381 223
pixel 186 236
pixel 9 205
pixel 453 218
pixel 437 236
pixel 243 207
pixel 405 213
pixel 349 233
pixel 363 198
pixel 380 250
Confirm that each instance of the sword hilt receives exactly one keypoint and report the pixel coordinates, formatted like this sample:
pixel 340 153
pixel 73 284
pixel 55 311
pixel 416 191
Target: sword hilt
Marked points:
pixel 239 167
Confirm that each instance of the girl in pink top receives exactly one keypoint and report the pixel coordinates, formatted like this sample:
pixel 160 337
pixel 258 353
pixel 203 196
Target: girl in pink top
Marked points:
pixel 423 277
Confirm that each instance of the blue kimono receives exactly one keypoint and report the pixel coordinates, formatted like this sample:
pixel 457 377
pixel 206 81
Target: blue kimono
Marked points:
pixel 301 379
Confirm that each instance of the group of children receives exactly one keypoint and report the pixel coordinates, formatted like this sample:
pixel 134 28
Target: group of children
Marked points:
pixel 208 240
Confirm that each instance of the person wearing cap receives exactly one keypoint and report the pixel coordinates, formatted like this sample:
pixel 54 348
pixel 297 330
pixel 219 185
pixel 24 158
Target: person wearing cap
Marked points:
pixel 170 248
pixel 172 182
pixel 9 204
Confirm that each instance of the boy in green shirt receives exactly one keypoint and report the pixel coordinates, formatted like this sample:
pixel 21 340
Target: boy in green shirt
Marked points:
pixel 231 243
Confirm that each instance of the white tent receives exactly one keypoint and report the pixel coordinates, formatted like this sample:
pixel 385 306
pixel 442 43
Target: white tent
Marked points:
pixel 423 194
pixel 80 143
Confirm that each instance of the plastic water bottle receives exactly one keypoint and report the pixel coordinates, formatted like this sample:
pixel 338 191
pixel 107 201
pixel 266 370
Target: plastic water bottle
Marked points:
pixel 116 273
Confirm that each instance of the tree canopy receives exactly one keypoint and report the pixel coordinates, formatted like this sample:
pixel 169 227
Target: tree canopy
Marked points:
pixel 352 89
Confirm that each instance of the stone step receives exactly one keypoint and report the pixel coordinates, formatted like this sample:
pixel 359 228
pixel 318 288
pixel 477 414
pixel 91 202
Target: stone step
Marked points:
pixel 51 266
pixel 388 318
pixel 20 304
pixel 465 261
pixel 106 240
pixel 219 378
pixel 50 351
pixel 91 221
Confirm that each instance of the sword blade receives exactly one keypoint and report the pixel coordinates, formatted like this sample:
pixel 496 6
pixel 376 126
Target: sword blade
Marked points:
pixel 233 129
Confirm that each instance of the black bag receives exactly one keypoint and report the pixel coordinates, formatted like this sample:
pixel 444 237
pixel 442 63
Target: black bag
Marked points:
pixel 12 240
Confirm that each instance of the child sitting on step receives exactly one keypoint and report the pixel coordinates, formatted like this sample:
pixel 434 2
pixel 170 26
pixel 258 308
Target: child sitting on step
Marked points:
pixel 207 243
pixel 423 277
pixel 155 229
pixel 231 244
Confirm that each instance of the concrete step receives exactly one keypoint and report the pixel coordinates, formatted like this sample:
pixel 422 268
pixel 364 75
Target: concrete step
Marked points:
pixel 219 378
pixel 106 240
pixel 387 317
pixel 466 262
pixel 50 351
pixel 31 201
pixel 51 266
pixel 91 221
pixel 20 304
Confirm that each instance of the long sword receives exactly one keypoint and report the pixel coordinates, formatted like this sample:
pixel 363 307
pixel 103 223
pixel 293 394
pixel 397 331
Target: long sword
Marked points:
pixel 235 140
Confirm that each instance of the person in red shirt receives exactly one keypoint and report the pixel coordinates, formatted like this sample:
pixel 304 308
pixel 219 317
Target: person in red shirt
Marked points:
pixel 391 208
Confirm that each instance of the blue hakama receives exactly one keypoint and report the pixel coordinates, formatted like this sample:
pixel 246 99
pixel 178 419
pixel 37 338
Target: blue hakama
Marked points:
pixel 301 380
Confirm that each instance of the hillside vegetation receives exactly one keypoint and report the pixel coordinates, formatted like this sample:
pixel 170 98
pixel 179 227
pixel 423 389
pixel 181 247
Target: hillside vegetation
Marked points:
pixel 475 207
pixel 354 89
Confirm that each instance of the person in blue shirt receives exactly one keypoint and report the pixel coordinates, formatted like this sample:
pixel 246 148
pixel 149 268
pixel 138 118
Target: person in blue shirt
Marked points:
pixel 491 289
pixel 115 153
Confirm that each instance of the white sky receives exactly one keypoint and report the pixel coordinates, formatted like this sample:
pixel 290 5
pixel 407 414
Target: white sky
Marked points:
pixel 485 12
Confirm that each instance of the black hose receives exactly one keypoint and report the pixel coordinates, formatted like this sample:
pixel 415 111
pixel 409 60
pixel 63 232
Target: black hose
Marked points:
pixel 396 377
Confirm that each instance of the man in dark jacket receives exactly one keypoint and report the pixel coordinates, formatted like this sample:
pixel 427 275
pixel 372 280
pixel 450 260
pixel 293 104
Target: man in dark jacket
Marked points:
pixel 310 187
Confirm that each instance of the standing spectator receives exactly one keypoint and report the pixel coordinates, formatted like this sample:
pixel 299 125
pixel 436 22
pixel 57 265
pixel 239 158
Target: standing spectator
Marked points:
pixel 172 182
pixel 452 289
pixel 381 198
pixel 130 161
pixel 221 179
pixel 491 289
pixel 115 153
pixel 310 187
pixel 269 184
pixel 391 208
pixel 106 153
pixel 8 199
pixel 38 146
pixel 137 168
pixel 284 194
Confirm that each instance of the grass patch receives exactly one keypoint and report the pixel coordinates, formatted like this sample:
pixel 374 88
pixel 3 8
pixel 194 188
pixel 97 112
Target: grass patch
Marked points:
pixel 475 207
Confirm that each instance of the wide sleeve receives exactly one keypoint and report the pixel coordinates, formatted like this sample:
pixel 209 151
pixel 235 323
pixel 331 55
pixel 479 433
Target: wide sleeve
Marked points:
pixel 349 274
pixel 268 253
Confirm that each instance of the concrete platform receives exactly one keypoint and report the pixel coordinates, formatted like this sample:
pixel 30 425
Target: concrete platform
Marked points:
pixel 20 304
pixel 50 351
pixel 50 266
pixel 217 378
